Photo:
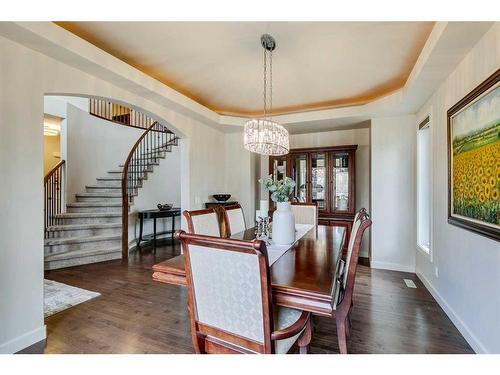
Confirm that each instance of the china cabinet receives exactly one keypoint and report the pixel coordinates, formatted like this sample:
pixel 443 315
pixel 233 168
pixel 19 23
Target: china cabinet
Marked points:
pixel 324 175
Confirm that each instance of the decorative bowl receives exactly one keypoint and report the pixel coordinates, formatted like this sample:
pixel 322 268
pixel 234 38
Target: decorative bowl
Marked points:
pixel 221 197
pixel 164 207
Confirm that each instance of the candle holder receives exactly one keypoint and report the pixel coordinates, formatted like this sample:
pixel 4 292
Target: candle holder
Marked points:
pixel 262 229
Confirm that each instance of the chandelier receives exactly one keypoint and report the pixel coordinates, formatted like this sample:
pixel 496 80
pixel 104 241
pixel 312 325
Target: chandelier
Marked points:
pixel 264 136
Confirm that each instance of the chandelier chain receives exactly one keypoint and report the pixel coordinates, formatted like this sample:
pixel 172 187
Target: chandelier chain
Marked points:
pixel 265 83
pixel 270 84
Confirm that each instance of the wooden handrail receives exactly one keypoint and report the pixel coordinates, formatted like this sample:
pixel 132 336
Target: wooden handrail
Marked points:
pixel 53 170
pixel 145 152
pixel 52 185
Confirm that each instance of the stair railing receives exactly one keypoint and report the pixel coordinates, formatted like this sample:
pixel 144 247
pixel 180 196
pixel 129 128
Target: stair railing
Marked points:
pixel 52 185
pixel 119 114
pixel 145 152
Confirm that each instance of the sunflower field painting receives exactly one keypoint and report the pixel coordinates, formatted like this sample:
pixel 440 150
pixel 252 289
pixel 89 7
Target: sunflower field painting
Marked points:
pixel 475 163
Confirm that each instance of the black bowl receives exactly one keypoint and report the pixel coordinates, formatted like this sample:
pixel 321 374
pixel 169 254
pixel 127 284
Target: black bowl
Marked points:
pixel 221 197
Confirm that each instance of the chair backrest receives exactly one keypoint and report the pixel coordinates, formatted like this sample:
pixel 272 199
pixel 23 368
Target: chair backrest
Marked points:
pixel 229 294
pixel 351 262
pixel 205 222
pixel 234 220
pixel 305 213
pixel 358 214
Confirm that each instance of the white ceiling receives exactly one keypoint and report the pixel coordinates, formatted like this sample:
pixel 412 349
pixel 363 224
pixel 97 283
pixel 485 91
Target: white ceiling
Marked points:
pixel 219 64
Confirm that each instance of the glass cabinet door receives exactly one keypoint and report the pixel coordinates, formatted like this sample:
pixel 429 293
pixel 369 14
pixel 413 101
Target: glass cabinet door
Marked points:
pixel 279 168
pixel 319 180
pixel 299 174
pixel 340 182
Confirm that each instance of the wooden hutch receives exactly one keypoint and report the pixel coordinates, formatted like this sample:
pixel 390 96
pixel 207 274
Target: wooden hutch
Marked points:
pixel 325 175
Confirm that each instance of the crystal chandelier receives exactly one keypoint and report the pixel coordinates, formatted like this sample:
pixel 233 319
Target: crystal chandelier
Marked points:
pixel 264 136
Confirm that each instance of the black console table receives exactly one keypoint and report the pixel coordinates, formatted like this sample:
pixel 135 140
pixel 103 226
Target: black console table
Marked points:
pixel 156 214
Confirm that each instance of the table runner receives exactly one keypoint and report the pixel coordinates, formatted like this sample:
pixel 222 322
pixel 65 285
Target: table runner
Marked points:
pixel 275 251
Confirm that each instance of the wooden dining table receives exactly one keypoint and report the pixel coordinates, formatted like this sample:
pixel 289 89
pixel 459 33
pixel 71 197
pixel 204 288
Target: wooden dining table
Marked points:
pixel 304 277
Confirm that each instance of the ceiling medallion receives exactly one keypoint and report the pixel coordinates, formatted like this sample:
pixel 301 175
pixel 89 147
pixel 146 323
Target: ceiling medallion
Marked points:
pixel 264 136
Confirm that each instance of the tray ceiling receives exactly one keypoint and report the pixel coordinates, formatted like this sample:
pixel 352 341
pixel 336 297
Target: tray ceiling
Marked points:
pixel 316 65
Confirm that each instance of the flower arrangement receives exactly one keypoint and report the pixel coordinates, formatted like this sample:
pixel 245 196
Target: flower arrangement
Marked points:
pixel 279 189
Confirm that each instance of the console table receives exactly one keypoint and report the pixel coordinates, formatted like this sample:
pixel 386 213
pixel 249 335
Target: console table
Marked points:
pixel 156 214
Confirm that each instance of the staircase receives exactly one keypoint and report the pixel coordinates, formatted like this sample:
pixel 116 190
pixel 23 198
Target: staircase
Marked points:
pixel 91 229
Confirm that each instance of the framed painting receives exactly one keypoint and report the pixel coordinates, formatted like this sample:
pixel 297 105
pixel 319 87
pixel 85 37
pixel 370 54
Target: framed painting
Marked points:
pixel 474 160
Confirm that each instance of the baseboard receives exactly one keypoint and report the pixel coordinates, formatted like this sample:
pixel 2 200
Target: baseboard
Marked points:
pixel 391 266
pixel 23 341
pixel 476 345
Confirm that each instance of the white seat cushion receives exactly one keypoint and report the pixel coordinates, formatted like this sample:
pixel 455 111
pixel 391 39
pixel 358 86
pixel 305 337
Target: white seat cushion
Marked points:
pixel 285 317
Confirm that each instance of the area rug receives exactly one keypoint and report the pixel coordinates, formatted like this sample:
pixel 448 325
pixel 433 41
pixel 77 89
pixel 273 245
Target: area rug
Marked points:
pixel 59 297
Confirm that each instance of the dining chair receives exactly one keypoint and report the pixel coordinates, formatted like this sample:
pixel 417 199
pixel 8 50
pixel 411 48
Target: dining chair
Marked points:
pixel 204 222
pixel 344 287
pixel 305 213
pixel 229 299
pixel 234 220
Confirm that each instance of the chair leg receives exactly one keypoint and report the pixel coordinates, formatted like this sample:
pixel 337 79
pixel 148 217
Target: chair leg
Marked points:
pixel 347 327
pixel 341 334
pixel 305 339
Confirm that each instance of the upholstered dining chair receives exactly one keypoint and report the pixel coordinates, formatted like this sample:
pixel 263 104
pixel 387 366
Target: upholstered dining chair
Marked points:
pixel 346 277
pixel 204 222
pixel 234 220
pixel 305 213
pixel 229 299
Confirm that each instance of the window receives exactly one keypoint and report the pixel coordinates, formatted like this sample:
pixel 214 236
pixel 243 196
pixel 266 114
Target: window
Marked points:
pixel 424 186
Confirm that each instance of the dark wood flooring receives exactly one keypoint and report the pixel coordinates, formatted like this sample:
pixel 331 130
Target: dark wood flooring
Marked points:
pixel 136 315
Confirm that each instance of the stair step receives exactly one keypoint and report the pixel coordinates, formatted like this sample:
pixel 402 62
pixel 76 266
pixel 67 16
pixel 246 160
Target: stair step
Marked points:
pixel 109 178
pixel 79 257
pixel 103 189
pixel 83 226
pixel 94 207
pixel 117 178
pixel 78 240
pixel 99 197
pixel 89 217
pixel 151 164
pixel 81 230
pixel 58 245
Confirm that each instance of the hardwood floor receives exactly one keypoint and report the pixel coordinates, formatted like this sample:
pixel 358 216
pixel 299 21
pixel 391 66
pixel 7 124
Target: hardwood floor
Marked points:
pixel 136 315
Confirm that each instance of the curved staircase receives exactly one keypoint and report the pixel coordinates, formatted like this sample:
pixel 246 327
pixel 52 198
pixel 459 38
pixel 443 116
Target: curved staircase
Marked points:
pixel 91 229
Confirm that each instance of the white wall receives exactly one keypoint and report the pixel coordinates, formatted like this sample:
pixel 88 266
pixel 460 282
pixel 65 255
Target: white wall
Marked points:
pixel 162 186
pixel 21 222
pixel 94 147
pixel 27 76
pixel 393 193
pixel 240 175
pixel 464 272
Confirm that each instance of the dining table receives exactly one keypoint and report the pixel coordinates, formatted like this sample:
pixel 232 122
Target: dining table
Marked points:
pixel 305 276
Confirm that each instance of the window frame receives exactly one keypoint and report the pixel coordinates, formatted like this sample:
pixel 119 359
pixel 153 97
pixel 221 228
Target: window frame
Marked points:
pixel 424 124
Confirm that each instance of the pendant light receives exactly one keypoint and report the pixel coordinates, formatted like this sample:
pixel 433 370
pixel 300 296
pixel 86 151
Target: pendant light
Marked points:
pixel 264 136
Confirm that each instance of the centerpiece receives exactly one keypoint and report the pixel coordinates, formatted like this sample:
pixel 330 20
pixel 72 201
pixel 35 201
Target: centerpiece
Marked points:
pixel 283 218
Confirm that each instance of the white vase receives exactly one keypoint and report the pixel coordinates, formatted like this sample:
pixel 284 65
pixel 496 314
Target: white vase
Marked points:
pixel 283 224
